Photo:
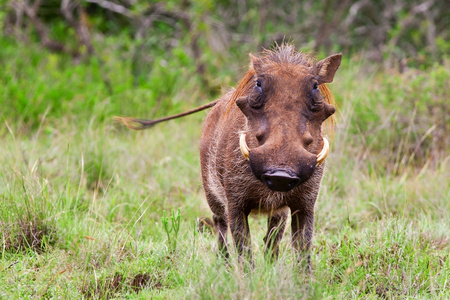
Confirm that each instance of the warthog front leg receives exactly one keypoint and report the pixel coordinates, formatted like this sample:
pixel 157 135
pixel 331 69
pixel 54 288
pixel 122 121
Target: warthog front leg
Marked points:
pixel 238 220
pixel 220 219
pixel 221 228
pixel 302 233
pixel 276 223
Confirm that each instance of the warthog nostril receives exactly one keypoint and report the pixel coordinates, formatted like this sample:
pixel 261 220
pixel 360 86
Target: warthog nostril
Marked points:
pixel 280 181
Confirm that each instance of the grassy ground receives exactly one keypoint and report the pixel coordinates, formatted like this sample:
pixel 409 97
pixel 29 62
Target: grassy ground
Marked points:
pixel 86 206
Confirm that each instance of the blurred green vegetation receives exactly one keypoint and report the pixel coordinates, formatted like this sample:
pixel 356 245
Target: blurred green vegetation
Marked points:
pixel 149 59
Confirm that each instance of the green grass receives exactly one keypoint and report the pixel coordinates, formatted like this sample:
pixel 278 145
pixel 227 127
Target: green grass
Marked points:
pixel 82 200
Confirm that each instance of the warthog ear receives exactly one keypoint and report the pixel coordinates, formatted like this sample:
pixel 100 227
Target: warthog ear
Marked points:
pixel 325 69
pixel 255 62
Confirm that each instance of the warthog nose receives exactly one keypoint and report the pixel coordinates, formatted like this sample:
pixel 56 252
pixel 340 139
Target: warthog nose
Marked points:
pixel 280 181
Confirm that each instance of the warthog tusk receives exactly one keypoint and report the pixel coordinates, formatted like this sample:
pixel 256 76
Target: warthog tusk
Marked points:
pixel 320 157
pixel 243 145
pixel 324 153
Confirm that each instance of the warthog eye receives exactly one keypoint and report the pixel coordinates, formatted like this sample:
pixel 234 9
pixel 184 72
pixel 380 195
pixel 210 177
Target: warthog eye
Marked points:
pixel 316 97
pixel 256 99
pixel 258 86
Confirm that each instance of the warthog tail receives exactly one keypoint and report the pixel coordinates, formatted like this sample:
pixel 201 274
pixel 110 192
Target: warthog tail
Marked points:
pixel 141 124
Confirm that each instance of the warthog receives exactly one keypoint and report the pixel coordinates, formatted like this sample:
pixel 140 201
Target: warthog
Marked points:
pixel 262 148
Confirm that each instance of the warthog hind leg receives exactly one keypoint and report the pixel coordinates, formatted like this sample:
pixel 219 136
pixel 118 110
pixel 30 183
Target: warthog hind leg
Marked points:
pixel 276 223
pixel 302 231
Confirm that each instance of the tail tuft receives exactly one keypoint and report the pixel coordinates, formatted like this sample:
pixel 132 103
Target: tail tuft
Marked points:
pixel 135 124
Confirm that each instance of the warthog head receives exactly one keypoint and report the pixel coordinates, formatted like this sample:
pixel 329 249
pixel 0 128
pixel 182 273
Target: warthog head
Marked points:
pixel 285 110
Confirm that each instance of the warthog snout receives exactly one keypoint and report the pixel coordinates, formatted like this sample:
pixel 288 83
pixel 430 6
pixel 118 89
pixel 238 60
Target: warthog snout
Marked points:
pixel 280 180
pixel 282 173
